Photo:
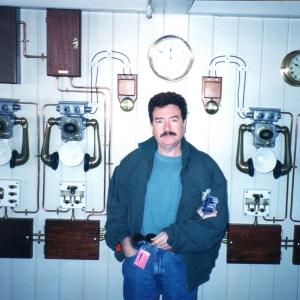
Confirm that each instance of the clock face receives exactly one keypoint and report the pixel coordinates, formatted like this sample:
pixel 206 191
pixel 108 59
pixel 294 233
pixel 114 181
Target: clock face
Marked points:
pixel 170 57
pixel 290 68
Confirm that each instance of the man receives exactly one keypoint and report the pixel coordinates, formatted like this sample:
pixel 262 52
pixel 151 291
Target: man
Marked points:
pixel 167 210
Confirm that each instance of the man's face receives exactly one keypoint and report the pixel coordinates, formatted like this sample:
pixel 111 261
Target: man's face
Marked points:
pixel 168 129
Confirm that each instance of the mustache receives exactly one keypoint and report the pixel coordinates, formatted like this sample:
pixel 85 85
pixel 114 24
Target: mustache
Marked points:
pixel 165 133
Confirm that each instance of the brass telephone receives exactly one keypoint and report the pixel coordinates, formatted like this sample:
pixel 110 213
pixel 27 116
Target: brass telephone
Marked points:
pixel 264 134
pixel 72 125
pixel 7 121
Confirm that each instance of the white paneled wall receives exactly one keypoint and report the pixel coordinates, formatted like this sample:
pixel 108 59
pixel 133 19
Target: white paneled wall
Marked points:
pixel 262 43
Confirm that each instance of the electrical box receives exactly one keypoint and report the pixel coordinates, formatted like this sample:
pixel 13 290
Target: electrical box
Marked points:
pixel 211 88
pixel 9 45
pixel 63 42
pixel 68 239
pixel 254 244
pixel 127 90
pixel 211 93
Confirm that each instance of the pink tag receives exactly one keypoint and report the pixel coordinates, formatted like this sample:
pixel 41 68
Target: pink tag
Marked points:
pixel 142 258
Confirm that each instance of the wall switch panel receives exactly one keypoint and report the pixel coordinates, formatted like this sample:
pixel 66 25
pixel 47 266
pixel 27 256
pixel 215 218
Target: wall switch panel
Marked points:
pixel 257 202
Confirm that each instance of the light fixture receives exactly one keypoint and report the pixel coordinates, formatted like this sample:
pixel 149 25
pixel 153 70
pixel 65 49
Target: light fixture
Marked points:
pixel 149 9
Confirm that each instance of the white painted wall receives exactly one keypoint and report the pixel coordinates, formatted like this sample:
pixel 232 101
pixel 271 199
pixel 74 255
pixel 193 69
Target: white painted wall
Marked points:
pixel 262 43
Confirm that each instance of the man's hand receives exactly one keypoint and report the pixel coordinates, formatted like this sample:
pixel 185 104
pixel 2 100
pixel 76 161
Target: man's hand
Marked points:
pixel 127 247
pixel 160 241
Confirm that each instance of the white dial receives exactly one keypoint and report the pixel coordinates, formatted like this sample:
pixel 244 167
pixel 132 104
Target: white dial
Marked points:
pixel 290 68
pixel 170 57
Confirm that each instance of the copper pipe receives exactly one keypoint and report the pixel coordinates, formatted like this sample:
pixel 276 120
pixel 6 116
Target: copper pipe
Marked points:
pixel 25 41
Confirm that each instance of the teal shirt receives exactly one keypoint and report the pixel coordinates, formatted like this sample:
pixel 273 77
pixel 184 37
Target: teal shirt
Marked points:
pixel 163 194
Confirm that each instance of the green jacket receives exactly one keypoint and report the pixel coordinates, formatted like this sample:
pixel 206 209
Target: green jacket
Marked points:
pixel 197 239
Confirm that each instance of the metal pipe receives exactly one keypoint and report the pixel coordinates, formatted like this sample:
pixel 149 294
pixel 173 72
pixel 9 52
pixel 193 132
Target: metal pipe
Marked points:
pixel 57 210
pixel 287 161
pixel 25 41
pixel 84 90
pixel 293 172
pixel 26 211
pixel 107 164
pixel 98 88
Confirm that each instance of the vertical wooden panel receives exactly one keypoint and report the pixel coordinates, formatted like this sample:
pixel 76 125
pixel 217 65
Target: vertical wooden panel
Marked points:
pixel 63 42
pixel 16 238
pixel 9 46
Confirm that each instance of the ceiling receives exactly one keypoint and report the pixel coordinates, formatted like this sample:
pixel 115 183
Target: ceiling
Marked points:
pixel 283 8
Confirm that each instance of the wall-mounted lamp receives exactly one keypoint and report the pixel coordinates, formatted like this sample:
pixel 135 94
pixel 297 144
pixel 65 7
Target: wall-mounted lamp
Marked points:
pixel 72 125
pixel 7 121
pixel 264 133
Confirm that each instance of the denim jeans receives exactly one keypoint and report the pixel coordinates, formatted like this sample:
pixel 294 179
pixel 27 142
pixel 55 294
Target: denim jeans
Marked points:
pixel 164 274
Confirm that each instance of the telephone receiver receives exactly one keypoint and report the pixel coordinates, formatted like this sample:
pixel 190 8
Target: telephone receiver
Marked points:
pixel 17 158
pixel 52 160
pixel 247 167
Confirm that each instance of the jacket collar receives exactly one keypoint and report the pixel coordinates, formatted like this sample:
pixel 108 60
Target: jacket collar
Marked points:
pixel 149 147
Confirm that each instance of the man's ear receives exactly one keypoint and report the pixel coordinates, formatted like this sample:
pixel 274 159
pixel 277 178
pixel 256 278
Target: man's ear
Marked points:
pixel 184 124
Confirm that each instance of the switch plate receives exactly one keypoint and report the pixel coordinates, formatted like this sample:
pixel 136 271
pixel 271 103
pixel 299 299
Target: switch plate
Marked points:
pixel 9 193
pixel 72 194
pixel 257 202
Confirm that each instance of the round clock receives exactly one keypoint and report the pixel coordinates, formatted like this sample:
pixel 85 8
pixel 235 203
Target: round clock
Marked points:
pixel 170 57
pixel 290 68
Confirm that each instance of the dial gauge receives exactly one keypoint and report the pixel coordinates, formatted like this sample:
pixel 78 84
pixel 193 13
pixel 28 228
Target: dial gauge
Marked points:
pixel 170 57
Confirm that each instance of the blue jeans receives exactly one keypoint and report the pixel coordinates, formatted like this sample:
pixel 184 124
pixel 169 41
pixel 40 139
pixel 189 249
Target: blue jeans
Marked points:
pixel 164 274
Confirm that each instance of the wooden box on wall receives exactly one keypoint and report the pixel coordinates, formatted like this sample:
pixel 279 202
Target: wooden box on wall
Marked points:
pixel 16 238
pixel 296 246
pixel 9 45
pixel 67 239
pixel 254 244
pixel 63 42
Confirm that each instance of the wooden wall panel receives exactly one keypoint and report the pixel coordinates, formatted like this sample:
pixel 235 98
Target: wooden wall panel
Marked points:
pixel 63 42
pixel 10 71
pixel 254 244
pixel 78 239
pixel 16 238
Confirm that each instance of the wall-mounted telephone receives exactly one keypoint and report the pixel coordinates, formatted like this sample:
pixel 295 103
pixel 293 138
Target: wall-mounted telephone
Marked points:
pixel 72 125
pixel 7 122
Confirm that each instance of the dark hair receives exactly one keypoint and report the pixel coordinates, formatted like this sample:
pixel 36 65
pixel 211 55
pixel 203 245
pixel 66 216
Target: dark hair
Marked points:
pixel 163 99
